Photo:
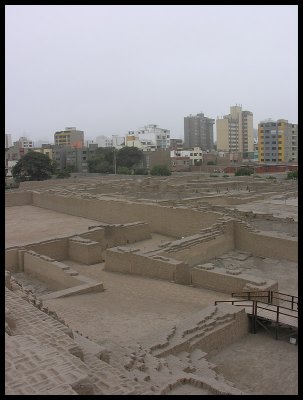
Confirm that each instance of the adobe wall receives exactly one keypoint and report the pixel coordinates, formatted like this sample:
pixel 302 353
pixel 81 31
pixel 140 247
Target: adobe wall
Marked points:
pixel 131 261
pixel 11 259
pixel 13 199
pixel 227 335
pixel 84 251
pixel 170 221
pixel 210 277
pixel 211 246
pixel 57 248
pixel 114 235
pixel 262 245
pixel 50 272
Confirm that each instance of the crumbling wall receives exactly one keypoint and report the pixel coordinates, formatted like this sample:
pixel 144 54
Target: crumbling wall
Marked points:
pixel 262 245
pixel 202 247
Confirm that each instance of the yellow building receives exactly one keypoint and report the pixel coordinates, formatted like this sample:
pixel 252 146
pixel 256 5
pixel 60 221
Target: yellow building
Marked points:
pixel 277 141
pixel 47 151
pixel 70 137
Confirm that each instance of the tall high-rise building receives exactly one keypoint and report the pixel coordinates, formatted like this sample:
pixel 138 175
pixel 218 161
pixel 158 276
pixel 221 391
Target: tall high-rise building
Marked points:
pixel 70 137
pixel 277 141
pixel 198 132
pixel 235 131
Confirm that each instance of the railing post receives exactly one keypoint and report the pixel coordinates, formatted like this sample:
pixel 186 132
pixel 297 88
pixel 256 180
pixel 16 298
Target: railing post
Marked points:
pixel 292 302
pixel 269 296
pixel 254 313
pixel 277 321
pixel 248 295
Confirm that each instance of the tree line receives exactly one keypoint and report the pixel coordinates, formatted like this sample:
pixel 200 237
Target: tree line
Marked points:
pixel 36 166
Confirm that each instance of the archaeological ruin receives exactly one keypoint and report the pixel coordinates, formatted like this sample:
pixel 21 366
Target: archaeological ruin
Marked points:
pixel 134 285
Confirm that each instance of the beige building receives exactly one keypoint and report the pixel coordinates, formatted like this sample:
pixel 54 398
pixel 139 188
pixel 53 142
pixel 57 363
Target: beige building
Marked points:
pixel 70 137
pixel 235 131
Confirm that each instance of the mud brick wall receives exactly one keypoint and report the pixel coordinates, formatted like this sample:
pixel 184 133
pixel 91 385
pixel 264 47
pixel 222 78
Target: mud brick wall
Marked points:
pixel 231 333
pixel 265 246
pixel 57 248
pixel 88 252
pixel 169 221
pixel 223 282
pixel 18 199
pixel 11 259
pixel 50 272
pixel 131 262
pixel 205 250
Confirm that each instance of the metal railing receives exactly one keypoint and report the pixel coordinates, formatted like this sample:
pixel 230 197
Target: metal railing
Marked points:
pixel 271 297
pixel 267 310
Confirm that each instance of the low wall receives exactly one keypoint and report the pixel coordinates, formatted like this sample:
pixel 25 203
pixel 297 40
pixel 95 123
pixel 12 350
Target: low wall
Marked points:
pixel 210 277
pixel 11 259
pixel 131 261
pixel 113 235
pixel 226 335
pixel 13 199
pixel 56 248
pixel 170 221
pixel 207 249
pixel 84 251
pixel 262 245
pixel 48 271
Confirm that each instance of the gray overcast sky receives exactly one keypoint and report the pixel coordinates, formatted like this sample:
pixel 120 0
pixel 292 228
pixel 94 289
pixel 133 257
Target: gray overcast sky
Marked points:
pixel 110 69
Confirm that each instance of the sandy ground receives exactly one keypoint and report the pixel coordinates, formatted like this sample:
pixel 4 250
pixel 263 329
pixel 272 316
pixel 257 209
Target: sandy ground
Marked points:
pixel 260 365
pixel 28 224
pixel 278 206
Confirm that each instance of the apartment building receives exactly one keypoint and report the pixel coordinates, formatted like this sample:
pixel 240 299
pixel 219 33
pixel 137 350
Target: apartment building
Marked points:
pixel 235 131
pixel 156 136
pixel 277 141
pixel 198 132
pixel 194 155
pixel 69 137
pixel 24 143
pixel 73 158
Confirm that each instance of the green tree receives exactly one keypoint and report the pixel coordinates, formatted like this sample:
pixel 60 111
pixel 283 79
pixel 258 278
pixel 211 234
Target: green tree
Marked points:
pixel 124 171
pixel 129 157
pixel 292 175
pixel 161 170
pixel 102 160
pixel 244 171
pixel 33 166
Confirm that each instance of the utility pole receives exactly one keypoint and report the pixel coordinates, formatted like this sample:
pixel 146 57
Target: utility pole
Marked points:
pixel 115 162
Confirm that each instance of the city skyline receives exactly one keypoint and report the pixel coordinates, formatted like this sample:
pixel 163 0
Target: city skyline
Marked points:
pixel 113 69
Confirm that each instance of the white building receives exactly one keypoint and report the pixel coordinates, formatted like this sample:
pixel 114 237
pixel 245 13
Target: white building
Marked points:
pixel 104 141
pixel 157 136
pixel 118 141
pixel 133 140
pixel 195 154
pixel 24 143
pixel 8 140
